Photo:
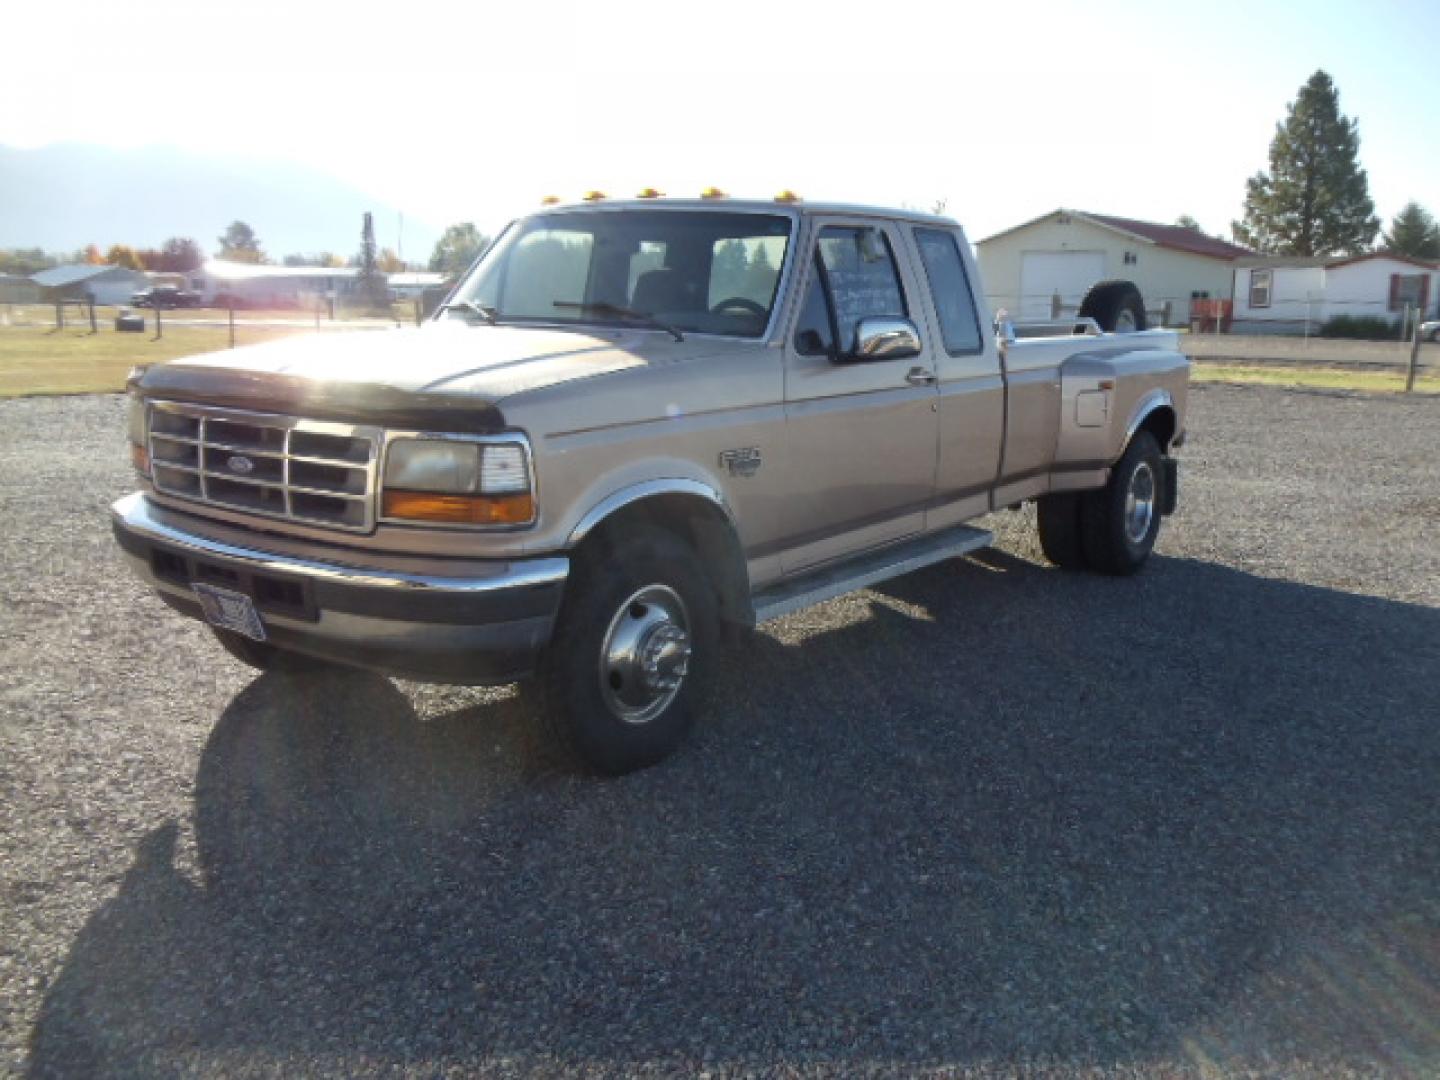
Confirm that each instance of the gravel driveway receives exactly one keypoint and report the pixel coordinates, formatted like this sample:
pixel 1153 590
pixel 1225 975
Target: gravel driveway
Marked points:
pixel 990 819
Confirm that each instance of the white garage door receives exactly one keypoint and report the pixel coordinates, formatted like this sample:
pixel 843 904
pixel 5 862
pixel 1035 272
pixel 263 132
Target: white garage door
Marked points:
pixel 1044 273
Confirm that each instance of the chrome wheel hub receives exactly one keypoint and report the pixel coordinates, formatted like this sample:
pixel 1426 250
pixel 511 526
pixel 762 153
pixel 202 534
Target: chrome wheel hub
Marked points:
pixel 1140 503
pixel 645 654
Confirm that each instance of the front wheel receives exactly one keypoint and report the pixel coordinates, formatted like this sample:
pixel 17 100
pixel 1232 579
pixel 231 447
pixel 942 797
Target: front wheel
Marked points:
pixel 635 638
pixel 1119 523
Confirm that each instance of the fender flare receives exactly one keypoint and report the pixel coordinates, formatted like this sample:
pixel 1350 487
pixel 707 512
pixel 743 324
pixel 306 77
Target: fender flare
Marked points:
pixel 1156 399
pixel 646 489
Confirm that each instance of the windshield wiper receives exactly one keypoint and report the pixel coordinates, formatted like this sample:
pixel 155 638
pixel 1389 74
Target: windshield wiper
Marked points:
pixel 602 307
pixel 489 314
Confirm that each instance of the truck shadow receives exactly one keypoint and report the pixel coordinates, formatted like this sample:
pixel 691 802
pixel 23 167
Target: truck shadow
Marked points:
pixel 1003 815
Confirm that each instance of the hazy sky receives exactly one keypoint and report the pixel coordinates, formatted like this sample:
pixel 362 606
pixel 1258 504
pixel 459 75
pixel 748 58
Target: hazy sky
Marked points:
pixel 476 110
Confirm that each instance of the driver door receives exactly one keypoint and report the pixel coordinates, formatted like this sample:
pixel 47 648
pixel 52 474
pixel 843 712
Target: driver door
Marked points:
pixel 862 434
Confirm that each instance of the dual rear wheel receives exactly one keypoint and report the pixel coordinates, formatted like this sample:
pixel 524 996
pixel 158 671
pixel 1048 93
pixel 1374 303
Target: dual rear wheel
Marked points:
pixel 1111 530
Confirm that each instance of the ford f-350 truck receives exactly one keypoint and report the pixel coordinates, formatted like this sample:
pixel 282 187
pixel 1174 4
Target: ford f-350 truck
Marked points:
pixel 635 426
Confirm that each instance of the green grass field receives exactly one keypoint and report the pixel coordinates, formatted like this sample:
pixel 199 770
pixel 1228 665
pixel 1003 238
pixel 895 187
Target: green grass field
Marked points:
pixel 1325 378
pixel 34 360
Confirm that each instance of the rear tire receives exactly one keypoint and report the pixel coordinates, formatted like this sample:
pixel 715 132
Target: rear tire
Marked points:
pixel 1116 306
pixel 638 616
pixel 1058 520
pixel 1119 523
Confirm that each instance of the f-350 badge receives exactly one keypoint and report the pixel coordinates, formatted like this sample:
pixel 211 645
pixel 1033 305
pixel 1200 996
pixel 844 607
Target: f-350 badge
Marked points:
pixel 742 461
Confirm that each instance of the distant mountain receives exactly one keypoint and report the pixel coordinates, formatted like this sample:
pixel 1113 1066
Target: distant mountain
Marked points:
pixel 65 196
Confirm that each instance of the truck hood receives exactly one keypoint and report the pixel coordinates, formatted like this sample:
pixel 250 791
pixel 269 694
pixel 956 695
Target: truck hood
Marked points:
pixel 447 374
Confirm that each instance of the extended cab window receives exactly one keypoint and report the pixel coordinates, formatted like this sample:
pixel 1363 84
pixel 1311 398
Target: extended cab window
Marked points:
pixel 864 282
pixel 950 288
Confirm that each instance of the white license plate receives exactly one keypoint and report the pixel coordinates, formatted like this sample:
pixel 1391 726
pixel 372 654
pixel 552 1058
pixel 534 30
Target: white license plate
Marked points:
pixel 230 610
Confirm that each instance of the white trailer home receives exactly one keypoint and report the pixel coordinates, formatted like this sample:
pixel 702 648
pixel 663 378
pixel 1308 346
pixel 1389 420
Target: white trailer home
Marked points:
pixel 1291 295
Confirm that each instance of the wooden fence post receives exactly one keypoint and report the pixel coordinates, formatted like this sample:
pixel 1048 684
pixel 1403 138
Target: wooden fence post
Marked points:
pixel 231 308
pixel 1414 358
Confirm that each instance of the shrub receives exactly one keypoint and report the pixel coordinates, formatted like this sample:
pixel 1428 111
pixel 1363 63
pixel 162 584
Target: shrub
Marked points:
pixel 1361 327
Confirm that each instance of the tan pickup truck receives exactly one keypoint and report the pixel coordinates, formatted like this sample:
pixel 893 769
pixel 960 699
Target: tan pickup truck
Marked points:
pixel 634 425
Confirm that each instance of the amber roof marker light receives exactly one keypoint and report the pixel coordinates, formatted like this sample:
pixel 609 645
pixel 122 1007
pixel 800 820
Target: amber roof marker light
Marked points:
pixel 788 196
pixel 650 193
pixel 594 196
pixel 550 200
pixel 712 193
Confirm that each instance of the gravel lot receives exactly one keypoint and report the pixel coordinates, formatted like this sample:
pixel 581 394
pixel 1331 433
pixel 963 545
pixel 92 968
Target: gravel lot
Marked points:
pixel 989 819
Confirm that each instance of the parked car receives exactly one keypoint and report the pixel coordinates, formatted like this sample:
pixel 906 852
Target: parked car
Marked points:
pixel 634 430
pixel 165 296
pixel 1430 331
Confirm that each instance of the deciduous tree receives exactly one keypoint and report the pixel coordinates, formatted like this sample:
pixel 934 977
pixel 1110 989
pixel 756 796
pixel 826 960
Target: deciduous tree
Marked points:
pixel 461 245
pixel 1315 200
pixel 240 244
pixel 180 254
pixel 120 255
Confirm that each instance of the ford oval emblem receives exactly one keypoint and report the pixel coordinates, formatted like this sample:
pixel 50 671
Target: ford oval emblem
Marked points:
pixel 241 464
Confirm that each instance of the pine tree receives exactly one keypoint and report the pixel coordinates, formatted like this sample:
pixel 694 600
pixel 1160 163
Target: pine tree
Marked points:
pixel 760 276
pixel 728 270
pixel 1315 200
pixel 1413 232
pixel 372 282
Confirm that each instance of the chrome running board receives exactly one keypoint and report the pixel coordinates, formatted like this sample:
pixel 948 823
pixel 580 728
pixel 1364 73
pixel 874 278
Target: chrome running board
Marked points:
pixel 861 571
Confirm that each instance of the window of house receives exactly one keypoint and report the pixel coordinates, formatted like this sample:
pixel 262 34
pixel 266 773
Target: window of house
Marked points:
pixel 1260 288
pixel 1409 290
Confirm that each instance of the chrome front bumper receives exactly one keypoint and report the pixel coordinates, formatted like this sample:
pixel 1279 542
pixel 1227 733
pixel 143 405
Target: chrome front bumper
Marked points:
pixel 477 621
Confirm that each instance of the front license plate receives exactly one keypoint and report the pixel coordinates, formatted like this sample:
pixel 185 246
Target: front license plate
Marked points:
pixel 230 610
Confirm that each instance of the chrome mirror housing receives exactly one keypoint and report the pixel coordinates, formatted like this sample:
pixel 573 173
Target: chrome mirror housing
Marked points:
pixel 886 339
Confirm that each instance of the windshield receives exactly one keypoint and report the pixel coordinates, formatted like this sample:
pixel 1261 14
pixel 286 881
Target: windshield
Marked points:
pixel 704 271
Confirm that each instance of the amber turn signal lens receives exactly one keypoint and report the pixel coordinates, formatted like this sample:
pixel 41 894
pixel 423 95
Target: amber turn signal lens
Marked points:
pixel 516 509
pixel 140 458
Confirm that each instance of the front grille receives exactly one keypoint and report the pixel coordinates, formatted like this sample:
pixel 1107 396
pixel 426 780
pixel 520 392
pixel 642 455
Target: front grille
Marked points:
pixel 307 471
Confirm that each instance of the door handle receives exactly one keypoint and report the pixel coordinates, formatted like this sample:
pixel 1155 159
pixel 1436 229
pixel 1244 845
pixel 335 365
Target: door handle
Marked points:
pixel 919 376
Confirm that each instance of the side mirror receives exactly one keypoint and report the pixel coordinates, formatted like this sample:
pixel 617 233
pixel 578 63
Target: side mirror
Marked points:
pixel 886 339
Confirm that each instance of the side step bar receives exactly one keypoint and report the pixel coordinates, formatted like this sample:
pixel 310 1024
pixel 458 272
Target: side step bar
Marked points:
pixel 826 583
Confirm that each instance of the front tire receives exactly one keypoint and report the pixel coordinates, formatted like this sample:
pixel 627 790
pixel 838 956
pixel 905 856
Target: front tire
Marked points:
pixel 633 645
pixel 1119 523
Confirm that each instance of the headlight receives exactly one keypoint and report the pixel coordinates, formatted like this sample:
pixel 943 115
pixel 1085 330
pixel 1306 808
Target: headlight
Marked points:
pixel 433 465
pixel 458 482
